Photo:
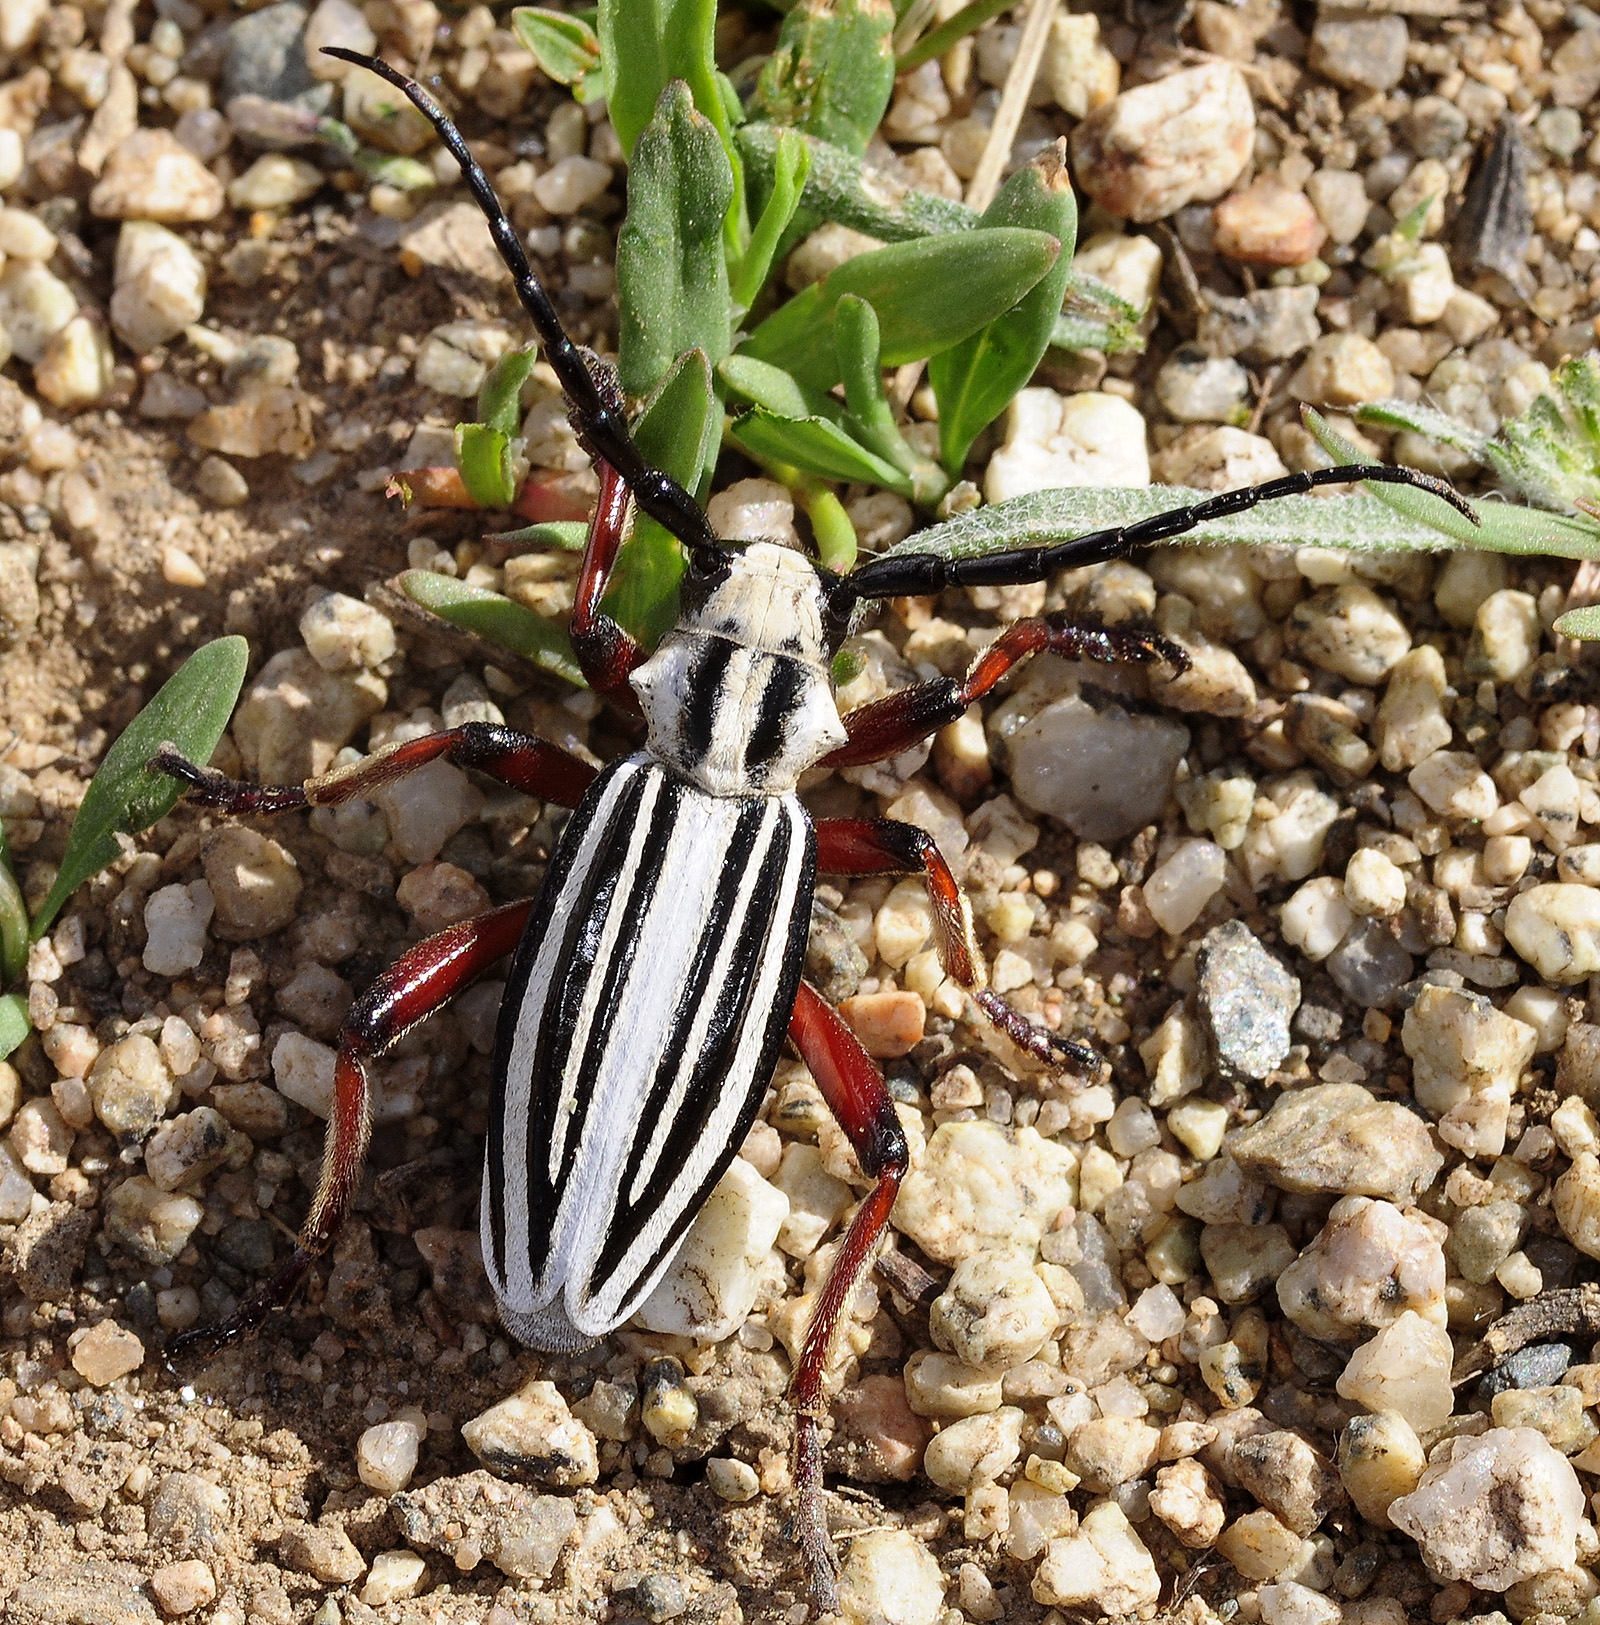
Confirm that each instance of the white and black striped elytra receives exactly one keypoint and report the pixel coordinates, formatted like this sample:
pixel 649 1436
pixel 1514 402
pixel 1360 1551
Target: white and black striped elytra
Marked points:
pixel 651 992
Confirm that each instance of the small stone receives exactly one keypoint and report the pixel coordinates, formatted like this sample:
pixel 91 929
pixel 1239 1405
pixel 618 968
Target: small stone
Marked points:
pixel 1380 1459
pixel 1179 889
pixel 255 883
pixel 151 1224
pixel 1373 884
pixel 1343 369
pixel 1340 198
pixel 1435 127
pixel 995 1312
pixel 1217 459
pixel 152 176
pixel 1164 144
pixel 1186 1501
pixel 219 482
pixel 344 634
pixel 324 1552
pixel 179 569
pixel 1494 1510
pixel 1405 1369
pixel 456 358
pixel 571 184
pixel 271 420
pixel 1505 638
pixel 1575 69
pixel 1271 324
pixel 176 919
pixel 180 1588
pixel 1411 723
pixel 1556 928
pixel 1128 265
pixel 713 1282
pixel 890 1575
pixel 984 1184
pixel 303 1072
pixel 1337 1137
pixel 425 808
pixel 247 1244
pixel 732 1480
pixel 1294 1482
pixel 1200 1126
pixel 373 110
pixel 1360 52
pixel 1268 223
pixel 108 1351
pixel 976 1450
pixel 1246 998
pixel 1104 1567
pixel 76 367
pixel 1555 1411
pixel 1453 783
pixel 1243 1260
pixel 533 1436
pixel 1316 919
pixel 336 22
pixel 1351 631
pixel 1577 1203
pixel 1259 1546
pixel 1290 1603
pixel 1197 388
pixel 889 1025
pixel 393 1576
pixel 1081 73
pixel 131 1087
pixel 1466 1062
pixel 187 1512
pixel 295 717
pixel 188 1147
pixel 386 1454
pixel 160 286
pixel 41 1138
pixel 275 181
pixel 1102 770
pixel 1368 1264
pixel 1053 440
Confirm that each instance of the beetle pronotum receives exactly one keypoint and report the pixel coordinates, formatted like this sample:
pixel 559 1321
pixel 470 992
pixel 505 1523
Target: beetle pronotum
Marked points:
pixel 657 972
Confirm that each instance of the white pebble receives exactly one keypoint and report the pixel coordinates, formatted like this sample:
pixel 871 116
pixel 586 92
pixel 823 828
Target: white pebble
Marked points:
pixel 175 922
pixel 386 1455
pixel 1179 889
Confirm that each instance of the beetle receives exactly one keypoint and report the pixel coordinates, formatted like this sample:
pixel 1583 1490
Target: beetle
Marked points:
pixel 657 972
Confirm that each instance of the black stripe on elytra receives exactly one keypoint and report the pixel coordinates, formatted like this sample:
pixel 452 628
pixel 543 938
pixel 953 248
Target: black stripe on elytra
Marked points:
pixel 587 903
pixel 786 680
pixel 514 1012
pixel 706 682
pixel 769 912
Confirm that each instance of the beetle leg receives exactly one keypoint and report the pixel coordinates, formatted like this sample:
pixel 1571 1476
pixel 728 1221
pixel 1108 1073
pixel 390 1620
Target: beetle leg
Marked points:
pixel 895 723
pixel 605 652
pixel 856 1095
pixel 424 979
pixel 517 759
pixel 885 846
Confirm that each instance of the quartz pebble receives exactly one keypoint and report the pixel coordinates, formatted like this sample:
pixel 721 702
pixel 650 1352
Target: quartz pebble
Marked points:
pixel 995 1311
pixel 180 1588
pixel 393 1576
pixel 1466 1060
pixel 1104 1566
pixel 1405 1369
pixel 1556 928
pixel 152 176
pixel 1380 1459
pixel 1177 892
pixel 325 1552
pixel 1161 145
pixel 1054 440
pixel 176 919
pixel 533 1435
pixel 344 634
pixel 1368 1264
pixel 160 285
pixel 1494 1510
pixel 889 1575
pixel 1268 223
pixel 386 1454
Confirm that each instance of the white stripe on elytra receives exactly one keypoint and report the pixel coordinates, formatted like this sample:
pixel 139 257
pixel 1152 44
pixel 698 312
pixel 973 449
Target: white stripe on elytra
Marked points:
pixel 608 1308
pixel 706 1008
pixel 518 1286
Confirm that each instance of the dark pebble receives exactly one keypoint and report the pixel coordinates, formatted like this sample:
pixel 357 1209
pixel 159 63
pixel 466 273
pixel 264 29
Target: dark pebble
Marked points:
pixel 1541 1365
pixel 247 1244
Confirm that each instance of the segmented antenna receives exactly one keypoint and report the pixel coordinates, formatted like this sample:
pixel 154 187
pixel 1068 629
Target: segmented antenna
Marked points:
pixel 596 407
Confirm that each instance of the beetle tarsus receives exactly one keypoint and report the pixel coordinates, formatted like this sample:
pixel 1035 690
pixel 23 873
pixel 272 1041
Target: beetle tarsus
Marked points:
pixel 809 1526
pixel 1039 1042
pixel 210 788
pixel 248 1317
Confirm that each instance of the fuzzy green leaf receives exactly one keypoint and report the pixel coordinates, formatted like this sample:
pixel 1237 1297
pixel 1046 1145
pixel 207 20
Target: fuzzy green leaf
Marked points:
pixel 500 398
pixel 566 48
pixel 560 535
pixel 835 189
pixel 484 457
pixel 776 390
pixel 815 446
pixel 499 619
pixel 644 46
pixel 928 295
pixel 1423 420
pixel 1583 623
pixel 832 72
pixel 678 432
pixel 14 1026
pixel 951 32
pixel 974 381
pixel 791 164
pixel 190 710
pixel 672 270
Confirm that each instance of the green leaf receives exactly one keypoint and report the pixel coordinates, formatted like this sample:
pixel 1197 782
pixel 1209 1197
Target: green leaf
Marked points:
pixel 791 165
pixel 566 48
pixel 13 927
pixel 562 535
pixel 499 619
pixel 870 420
pixel 14 1025
pixel 500 398
pixel 672 270
pixel 928 295
pixel 836 189
pixel 1097 317
pixel 939 40
pixel 679 432
pixel 974 381
pixel 1423 420
pixel 1501 528
pixel 394 169
pixel 484 457
pixel 816 446
pixel 1581 623
pixel 831 527
pixel 832 72
pixel 764 385
pixel 644 46
pixel 190 710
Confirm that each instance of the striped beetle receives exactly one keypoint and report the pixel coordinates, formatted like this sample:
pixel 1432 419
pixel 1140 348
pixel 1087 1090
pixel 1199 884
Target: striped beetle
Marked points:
pixel 657 972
